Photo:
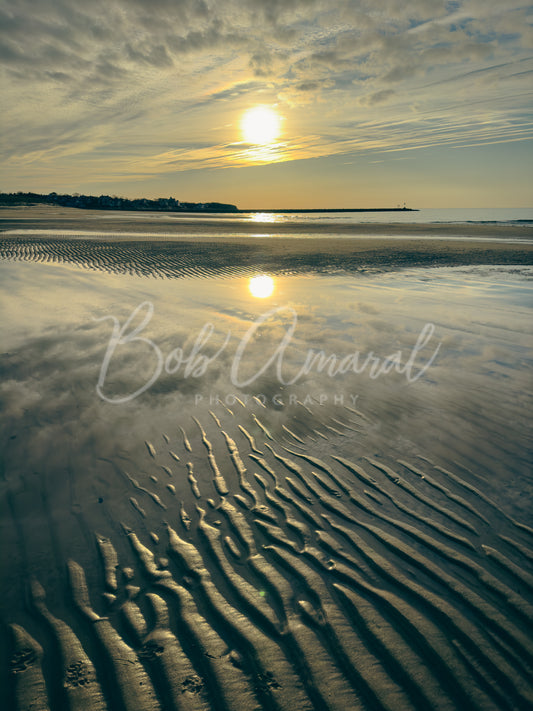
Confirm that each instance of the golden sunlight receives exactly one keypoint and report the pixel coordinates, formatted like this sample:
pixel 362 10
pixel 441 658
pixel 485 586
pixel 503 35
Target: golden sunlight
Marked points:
pixel 260 125
pixel 261 286
pixel 265 217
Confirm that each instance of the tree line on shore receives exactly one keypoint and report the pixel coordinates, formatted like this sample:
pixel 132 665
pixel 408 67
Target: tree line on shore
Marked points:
pixel 107 202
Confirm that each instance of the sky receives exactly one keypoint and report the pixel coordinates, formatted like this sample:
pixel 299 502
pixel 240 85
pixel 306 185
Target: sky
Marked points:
pixel 378 103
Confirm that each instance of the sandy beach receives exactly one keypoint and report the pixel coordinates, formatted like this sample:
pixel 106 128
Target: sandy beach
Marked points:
pixel 320 499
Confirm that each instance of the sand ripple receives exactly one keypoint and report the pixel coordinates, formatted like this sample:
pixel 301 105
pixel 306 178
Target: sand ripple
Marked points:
pixel 246 255
pixel 268 572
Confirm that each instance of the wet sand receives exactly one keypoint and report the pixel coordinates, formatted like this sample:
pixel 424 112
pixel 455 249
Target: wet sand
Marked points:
pixel 343 542
pixel 172 246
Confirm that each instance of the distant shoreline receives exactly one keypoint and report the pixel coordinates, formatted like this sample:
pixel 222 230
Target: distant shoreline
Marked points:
pixel 106 202
pixel 334 209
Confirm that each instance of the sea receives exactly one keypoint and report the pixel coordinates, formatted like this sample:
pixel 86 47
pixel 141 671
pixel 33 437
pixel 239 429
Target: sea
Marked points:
pixel 423 216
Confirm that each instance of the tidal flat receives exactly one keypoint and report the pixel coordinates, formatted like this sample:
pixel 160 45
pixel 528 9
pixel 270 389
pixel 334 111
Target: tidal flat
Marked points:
pixel 319 499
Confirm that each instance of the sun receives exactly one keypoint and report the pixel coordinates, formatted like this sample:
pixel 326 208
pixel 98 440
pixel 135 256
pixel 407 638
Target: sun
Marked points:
pixel 260 125
pixel 261 286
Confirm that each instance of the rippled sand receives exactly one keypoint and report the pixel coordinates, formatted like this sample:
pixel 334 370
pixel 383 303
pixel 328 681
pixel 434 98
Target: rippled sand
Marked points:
pixel 343 542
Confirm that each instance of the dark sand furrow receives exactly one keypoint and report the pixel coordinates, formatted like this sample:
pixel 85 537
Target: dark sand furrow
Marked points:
pixel 267 660
pixel 375 498
pixel 324 484
pixel 178 683
pixel 229 688
pixel 319 464
pixel 425 640
pixel 26 675
pixel 300 507
pixel 133 501
pixel 265 513
pixel 404 665
pixel 251 440
pixel 425 520
pixel 428 640
pixel 359 472
pixel 366 479
pixel 265 466
pixel 143 490
pixel 127 681
pixel 298 490
pixel 476 492
pixel 331 503
pixel 523 550
pixel 276 534
pixel 522 667
pixel 305 430
pixel 80 686
pixel 292 434
pixel 249 596
pixel 359 414
pixel 243 503
pixel 324 680
pixel 449 617
pixel 109 558
pixel 239 526
pixel 415 533
pixel 496 699
pixel 321 435
pixel 291 465
pixel 301 528
pixel 524 579
pixel 490 613
pixel 220 484
pixel 359 665
pixel 134 622
pixel 232 547
pixel 262 427
pixel 329 543
pixel 393 476
pixel 335 431
pixel 447 493
pixel 239 467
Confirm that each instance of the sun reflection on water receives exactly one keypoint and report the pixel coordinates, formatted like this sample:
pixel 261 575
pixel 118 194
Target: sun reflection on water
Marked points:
pixel 265 217
pixel 261 286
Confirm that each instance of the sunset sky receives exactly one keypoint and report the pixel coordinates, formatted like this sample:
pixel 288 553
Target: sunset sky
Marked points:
pixel 374 103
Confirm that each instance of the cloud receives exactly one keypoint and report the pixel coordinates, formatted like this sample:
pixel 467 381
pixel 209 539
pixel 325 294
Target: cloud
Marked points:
pixel 99 76
pixel 378 97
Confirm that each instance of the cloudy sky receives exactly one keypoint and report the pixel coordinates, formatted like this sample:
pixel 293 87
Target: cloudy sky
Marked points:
pixel 379 102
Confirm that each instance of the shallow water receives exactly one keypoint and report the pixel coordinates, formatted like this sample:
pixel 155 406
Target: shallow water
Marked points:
pixel 321 539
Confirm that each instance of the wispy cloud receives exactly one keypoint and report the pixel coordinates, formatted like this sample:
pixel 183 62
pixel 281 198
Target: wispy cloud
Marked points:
pixel 87 79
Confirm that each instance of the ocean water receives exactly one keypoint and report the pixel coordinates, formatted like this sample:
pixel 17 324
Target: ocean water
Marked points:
pixel 423 216
pixel 451 224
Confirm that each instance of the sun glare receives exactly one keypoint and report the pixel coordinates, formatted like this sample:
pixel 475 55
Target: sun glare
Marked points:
pixel 260 125
pixel 261 286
